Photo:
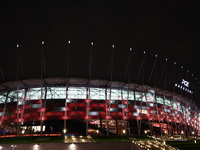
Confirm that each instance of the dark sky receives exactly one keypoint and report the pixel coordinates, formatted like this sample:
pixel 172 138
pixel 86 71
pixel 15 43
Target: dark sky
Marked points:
pixel 169 29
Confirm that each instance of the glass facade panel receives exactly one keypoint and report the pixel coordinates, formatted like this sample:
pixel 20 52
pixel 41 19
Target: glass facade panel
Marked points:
pixel 159 100
pixel 97 93
pixel 77 92
pixel 35 94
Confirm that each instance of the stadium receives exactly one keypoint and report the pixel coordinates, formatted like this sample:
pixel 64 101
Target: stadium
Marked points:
pixel 96 106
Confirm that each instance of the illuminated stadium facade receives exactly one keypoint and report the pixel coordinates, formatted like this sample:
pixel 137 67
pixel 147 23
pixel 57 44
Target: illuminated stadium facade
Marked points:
pixel 108 105
pixel 88 106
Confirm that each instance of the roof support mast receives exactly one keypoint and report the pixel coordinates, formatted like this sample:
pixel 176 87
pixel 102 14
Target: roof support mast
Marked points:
pixel 110 71
pixel 142 66
pixel 41 108
pixel 128 66
pixel 88 89
pixel 2 73
pixel 67 76
pixel 17 90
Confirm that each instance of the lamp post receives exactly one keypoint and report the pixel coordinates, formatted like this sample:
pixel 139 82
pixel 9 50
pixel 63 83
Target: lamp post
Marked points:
pixel 145 131
pixel 193 133
pixel 164 143
pixel 64 131
pixel 195 141
pixel 124 134
pixel 97 134
pixel 23 131
pixel 182 132
pixel 13 146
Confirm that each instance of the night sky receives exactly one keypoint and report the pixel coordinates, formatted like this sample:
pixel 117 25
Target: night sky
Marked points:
pixel 169 29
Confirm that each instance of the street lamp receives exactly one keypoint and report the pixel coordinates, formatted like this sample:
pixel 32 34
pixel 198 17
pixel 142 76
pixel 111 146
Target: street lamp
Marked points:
pixel 164 143
pixel 195 141
pixel 124 132
pixel 145 131
pixel 64 131
pixel 97 134
pixel 182 132
pixel 23 131
pixel 13 146
pixel 192 133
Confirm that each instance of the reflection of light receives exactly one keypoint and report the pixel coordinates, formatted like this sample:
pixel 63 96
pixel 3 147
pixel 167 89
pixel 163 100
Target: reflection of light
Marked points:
pixel 72 146
pixel 13 146
pixel 1 147
pixel 36 146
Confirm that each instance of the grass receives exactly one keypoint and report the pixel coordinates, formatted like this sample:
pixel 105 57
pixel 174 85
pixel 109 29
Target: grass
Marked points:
pixel 185 145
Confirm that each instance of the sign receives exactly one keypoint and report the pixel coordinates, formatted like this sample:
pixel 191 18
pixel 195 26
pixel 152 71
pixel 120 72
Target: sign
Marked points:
pixel 184 85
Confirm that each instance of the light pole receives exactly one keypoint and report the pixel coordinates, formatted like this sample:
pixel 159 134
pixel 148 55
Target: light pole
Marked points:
pixel 182 132
pixel 23 131
pixel 193 133
pixel 13 146
pixel 97 134
pixel 164 143
pixel 145 131
pixel 124 134
pixel 64 131
pixel 195 141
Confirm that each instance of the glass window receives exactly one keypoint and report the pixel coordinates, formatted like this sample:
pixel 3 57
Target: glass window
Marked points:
pixel 77 92
pixel 159 100
pixel 97 93
pixel 35 94
pixel 115 94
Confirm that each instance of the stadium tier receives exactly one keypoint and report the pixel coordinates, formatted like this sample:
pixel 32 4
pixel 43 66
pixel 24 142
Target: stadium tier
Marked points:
pixel 113 107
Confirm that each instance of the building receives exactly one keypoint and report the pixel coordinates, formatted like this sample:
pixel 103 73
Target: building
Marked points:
pixel 109 107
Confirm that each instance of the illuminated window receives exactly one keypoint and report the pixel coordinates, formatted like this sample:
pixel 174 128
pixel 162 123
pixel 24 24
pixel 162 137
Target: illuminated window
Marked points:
pixel 97 93
pixel 77 92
